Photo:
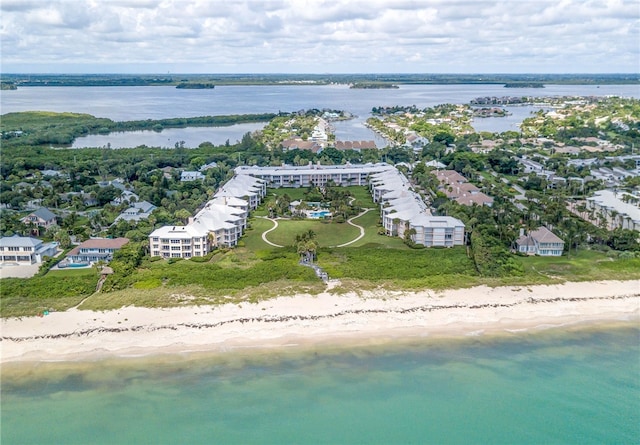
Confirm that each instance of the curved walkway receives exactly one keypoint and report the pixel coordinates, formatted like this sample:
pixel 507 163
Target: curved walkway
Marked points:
pixel 264 234
pixel 350 221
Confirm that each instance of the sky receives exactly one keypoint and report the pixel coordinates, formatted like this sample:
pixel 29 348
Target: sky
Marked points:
pixel 317 36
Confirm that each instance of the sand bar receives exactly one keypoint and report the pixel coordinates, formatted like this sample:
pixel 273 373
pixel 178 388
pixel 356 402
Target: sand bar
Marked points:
pixel 305 319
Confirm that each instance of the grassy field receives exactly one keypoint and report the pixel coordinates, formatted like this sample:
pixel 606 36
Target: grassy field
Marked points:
pixel 371 237
pixel 588 265
pixel 327 233
pixel 253 238
pixel 235 276
pixel 371 267
pixel 57 290
pixel 380 266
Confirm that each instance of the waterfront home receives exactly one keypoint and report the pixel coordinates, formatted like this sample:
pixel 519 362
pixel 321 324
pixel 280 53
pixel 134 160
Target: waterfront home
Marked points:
pixel 179 241
pixel 541 241
pixel 96 249
pixel 25 250
pixel 216 225
pixel 355 145
pixel 220 223
pixel 300 144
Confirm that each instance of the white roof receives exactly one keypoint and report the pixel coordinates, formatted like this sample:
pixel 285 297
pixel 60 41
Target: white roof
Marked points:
pixel 230 201
pixel 180 232
pixel 613 201
pixel 313 169
pixel 436 221
pixel 19 241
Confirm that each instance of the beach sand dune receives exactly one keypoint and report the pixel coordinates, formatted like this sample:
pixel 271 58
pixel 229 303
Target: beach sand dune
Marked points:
pixel 305 319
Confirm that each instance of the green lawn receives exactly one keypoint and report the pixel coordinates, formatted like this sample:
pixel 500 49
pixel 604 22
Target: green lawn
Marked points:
pixel 294 193
pixel 371 237
pixel 73 272
pixel 253 238
pixel 360 193
pixel 327 233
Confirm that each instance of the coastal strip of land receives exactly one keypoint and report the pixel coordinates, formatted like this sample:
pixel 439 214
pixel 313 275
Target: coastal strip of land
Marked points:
pixel 307 320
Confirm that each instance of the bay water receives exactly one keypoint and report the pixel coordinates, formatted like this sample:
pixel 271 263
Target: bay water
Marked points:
pixel 575 386
pixel 159 102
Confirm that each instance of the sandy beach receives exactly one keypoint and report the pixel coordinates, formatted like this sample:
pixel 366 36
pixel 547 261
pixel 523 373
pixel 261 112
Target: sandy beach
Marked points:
pixel 325 318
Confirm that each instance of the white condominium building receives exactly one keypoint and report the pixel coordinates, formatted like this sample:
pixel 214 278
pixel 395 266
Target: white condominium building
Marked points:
pixel 252 189
pixel 220 223
pixel 403 209
pixel 620 209
pixel 314 174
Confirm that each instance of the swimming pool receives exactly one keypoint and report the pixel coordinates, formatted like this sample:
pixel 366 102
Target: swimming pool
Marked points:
pixel 319 214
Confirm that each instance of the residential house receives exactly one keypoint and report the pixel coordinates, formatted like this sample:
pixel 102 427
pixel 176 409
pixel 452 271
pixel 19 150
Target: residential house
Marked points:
pixel 52 173
pixel 137 211
pixel 541 242
pixel 126 196
pixel 299 144
pixel 96 249
pixel 88 199
pixel 456 187
pixel 415 141
pixel 42 217
pixel 435 164
pixel 355 145
pixel 208 166
pixel 188 176
pixel 25 250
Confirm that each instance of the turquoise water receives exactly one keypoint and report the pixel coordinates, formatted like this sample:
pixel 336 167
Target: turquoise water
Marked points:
pixel 319 214
pixel 576 386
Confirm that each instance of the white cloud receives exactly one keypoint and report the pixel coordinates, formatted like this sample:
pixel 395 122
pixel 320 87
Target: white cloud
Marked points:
pixel 321 35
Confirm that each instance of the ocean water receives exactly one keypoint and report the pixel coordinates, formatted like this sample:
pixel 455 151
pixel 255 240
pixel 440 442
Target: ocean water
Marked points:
pixel 576 385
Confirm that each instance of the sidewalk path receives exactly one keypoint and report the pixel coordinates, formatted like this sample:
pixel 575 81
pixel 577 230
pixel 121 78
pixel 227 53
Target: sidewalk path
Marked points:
pixel 350 221
pixel 264 234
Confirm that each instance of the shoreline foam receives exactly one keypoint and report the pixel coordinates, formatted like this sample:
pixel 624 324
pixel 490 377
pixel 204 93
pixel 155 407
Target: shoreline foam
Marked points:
pixel 303 320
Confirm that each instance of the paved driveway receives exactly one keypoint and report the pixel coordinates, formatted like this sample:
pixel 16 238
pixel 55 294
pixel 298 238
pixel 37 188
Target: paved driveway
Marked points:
pixel 8 270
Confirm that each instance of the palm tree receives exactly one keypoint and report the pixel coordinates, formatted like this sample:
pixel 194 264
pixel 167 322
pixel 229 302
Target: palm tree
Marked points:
pixel 212 239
